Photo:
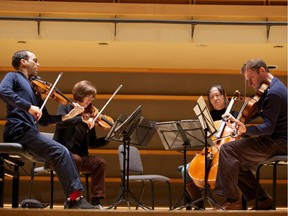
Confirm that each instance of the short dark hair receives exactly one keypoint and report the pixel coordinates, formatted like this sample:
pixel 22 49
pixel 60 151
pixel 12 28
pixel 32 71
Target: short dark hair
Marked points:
pixel 16 58
pixel 83 89
pixel 254 64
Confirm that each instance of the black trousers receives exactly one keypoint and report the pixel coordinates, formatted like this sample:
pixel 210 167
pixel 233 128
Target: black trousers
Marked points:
pixel 237 162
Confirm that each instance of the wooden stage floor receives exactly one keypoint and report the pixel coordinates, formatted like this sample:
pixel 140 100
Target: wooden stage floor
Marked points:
pixel 124 211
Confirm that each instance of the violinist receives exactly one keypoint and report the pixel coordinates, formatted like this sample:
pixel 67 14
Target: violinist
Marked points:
pixel 238 158
pixel 24 115
pixel 78 134
pixel 217 101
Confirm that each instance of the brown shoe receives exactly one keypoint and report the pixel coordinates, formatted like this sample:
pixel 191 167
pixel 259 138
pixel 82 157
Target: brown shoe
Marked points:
pixel 232 206
pixel 264 205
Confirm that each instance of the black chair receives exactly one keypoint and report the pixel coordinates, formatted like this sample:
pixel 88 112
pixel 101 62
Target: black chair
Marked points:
pixel 13 155
pixel 136 173
pixel 274 161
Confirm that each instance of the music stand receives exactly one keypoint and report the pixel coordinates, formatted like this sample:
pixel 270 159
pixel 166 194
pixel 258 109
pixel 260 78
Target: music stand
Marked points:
pixel 179 135
pixel 130 129
pixel 209 129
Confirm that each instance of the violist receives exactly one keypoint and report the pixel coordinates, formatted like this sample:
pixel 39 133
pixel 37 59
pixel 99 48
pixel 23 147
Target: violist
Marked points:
pixel 238 158
pixel 23 114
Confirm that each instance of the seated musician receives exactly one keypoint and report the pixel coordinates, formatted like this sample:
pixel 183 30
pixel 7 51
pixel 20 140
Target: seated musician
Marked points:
pixel 79 133
pixel 23 116
pixel 217 102
pixel 238 158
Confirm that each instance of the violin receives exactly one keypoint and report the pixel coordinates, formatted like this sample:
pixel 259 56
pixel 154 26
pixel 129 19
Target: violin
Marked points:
pixel 43 87
pixel 103 121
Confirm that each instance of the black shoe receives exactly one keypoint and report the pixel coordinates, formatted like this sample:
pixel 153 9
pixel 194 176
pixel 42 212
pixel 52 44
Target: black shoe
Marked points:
pixel 79 203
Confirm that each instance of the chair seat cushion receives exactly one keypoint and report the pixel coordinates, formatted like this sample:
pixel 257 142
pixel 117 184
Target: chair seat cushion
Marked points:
pixel 275 158
pixel 153 178
pixel 11 148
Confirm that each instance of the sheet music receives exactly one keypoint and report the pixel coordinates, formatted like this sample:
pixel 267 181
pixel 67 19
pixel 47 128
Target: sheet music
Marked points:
pixel 204 116
pixel 171 138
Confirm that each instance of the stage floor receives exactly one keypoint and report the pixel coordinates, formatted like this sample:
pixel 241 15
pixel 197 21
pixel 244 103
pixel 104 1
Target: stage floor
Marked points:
pixel 125 211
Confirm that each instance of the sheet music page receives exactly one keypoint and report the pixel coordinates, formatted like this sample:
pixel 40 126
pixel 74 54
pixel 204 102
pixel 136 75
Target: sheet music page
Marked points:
pixel 202 111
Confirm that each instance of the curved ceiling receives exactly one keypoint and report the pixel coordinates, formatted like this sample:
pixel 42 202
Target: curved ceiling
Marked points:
pixel 218 35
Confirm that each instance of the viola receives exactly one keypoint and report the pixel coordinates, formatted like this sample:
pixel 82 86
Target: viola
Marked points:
pixel 251 104
pixel 44 87
pixel 196 168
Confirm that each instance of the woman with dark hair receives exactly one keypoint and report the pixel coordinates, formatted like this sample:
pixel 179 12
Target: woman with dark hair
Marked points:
pixel 78 134
pixel 217 101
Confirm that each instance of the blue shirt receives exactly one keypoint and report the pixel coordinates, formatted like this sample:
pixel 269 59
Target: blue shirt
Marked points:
pixel 18 94
pixel 273 111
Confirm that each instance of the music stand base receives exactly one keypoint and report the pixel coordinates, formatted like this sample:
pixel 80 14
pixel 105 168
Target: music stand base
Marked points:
pixel 212 202
pixel 127 196
pixel 186 204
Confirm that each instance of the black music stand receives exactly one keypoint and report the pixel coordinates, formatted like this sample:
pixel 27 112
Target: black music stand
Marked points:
pixel 181 135
pixel 130 129
pixel 203 114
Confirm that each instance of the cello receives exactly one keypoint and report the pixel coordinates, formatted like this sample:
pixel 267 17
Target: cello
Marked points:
pixel 196 168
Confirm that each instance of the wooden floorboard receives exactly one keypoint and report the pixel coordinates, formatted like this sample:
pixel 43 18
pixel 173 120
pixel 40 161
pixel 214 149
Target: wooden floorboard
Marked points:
pixel 127 212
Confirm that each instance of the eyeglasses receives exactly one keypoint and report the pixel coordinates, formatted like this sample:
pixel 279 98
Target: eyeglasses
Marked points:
pixel 32 60
pixel 89 98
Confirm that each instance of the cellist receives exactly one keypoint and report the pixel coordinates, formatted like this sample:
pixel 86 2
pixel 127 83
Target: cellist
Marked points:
pixel 217 100
pixel 238 158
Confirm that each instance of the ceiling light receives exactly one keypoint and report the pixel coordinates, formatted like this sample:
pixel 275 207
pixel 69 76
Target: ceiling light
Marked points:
pixel 201 45
pixel 272 66
pixel 102 44
pixel 278 46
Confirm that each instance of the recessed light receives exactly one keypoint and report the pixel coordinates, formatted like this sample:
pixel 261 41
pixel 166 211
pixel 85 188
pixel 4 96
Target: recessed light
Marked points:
pixel 272 66
pixel 201 45
pixel 278 46
pixel 102 44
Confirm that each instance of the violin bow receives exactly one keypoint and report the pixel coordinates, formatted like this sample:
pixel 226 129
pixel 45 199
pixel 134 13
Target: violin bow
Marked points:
pixel 51 90
pixel 99 113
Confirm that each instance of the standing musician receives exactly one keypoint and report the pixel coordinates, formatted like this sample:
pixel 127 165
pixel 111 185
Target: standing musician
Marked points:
pixel 217 102
pixel 238 158
pixel 79 133
pixel 23 117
